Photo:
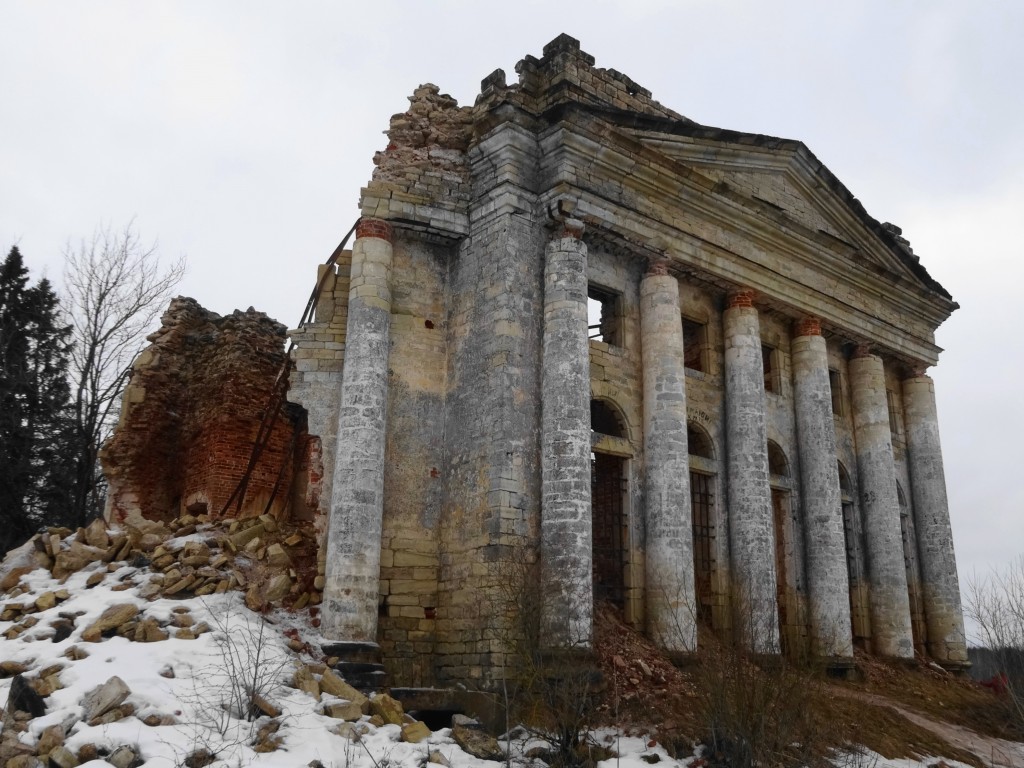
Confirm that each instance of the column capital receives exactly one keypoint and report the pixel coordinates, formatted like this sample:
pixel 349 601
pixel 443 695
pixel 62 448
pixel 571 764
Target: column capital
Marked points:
pixel 917 371
pixel 861 351
pixel 378 228
pixel 741 297
pixel 569 227
pixel 808 326
pixel 657 265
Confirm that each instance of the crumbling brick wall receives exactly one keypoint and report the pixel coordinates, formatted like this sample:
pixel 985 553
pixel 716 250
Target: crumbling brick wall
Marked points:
pixel 191 414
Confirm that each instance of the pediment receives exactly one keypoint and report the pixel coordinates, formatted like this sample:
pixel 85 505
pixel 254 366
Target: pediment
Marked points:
pixel 782 180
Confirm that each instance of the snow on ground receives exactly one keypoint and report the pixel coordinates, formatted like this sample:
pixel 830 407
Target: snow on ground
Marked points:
pixel 207 670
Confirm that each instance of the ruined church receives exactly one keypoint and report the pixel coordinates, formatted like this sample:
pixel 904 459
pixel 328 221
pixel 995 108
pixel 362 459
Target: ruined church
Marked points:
pixel 681 368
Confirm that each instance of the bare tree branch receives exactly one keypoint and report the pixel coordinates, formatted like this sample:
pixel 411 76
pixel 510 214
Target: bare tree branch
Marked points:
pixel 115 289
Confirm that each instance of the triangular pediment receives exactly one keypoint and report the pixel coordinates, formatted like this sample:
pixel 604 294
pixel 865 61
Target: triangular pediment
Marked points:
pixel 780 179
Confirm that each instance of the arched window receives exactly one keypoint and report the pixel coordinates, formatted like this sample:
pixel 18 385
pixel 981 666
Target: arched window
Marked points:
pixel 606 419
pixel 778 464
pixel 699 442
pixel 845 487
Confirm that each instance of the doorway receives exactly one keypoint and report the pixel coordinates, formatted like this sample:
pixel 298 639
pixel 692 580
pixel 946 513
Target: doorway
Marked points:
pixel 607 493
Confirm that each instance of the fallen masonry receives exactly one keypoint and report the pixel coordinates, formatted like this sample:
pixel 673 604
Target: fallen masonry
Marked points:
pixel 147 564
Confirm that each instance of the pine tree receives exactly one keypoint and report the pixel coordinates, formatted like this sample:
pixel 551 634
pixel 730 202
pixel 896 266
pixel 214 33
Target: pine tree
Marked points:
pixel 15 440
pixel 36 424
pixel 51 422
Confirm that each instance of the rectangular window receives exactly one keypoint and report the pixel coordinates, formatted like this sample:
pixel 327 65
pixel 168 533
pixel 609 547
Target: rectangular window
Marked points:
pixel 895 422
pixel 835 385
pixel 771 379
pixel 604 315
pixel 695 345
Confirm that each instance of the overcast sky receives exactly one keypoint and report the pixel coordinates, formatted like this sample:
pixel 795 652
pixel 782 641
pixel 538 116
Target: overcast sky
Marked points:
pixel 239 134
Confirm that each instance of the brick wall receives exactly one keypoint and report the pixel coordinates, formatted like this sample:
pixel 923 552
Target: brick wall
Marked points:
pixel 191 414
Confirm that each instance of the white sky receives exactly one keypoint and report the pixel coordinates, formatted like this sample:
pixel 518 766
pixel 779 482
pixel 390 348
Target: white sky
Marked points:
pixel 239 134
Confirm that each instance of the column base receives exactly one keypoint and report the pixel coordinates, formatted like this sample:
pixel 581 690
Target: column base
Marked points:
pixel 359 664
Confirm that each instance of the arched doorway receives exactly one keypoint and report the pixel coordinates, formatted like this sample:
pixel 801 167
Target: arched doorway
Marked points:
pixel 702 503
pixel 608 492
pixel 853 530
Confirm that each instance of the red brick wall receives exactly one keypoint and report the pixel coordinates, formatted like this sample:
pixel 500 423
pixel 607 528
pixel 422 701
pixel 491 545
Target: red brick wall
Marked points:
pixel 193 410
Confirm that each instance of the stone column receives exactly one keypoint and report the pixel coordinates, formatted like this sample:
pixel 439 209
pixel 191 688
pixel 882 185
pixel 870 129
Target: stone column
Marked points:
pixel 357 499
pixel 825 541
pixel 891 631
pixel 565 531
pixel 751 530
pixel 940 585
pixel 671 595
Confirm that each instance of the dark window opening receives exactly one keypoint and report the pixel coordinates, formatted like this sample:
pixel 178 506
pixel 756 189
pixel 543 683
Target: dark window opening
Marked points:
pixel 768 366
pixel 694 345
pixel 910 562
pixel 778 464
pixel 608 489
pixel 784 593
pixel 702 501
pixel 605 419
pixel 698 443
pixel 853 533
pixel 895 422
pixel 604 315
pixel 835 387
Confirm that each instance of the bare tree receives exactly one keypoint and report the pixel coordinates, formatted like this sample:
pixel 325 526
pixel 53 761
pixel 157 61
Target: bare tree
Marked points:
pixel 995 604
pixel 115 288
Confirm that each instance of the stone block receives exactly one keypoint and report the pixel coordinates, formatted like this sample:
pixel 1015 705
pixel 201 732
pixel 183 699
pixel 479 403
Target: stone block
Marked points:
pixel 415 732
pixel 104 698
pixel 387 708
pixel 112 618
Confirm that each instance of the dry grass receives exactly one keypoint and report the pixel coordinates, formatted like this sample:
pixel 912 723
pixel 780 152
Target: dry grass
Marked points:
pixel 644 691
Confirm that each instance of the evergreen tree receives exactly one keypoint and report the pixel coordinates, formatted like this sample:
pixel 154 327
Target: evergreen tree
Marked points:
pixel 51 419
pixel 15 441
pixel 36 424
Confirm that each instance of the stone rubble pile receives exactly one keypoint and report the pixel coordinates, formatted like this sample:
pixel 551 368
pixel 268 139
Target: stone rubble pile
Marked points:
pixel 272 564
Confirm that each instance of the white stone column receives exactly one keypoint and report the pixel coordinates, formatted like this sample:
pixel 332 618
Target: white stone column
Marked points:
pixel 825 542
pixel 891 631
pixel 940 586
pixel 357 499
pixel 751 530
pixel 566 535
pixel 670 590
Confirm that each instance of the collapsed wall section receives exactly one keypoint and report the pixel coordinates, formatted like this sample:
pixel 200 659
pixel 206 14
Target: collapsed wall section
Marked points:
pixel 190 417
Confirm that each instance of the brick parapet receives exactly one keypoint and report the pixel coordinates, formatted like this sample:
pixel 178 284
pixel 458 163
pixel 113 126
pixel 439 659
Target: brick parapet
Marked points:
pixel 740 298
pixel 808 326
pixel 378 228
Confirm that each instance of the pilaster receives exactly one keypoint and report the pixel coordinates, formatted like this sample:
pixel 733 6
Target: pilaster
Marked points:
pixel 671 597
pixel 566 536
pixel 940 587
pixel 890 604
pixel 357 499
pixel 825 545
pixel 751 530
